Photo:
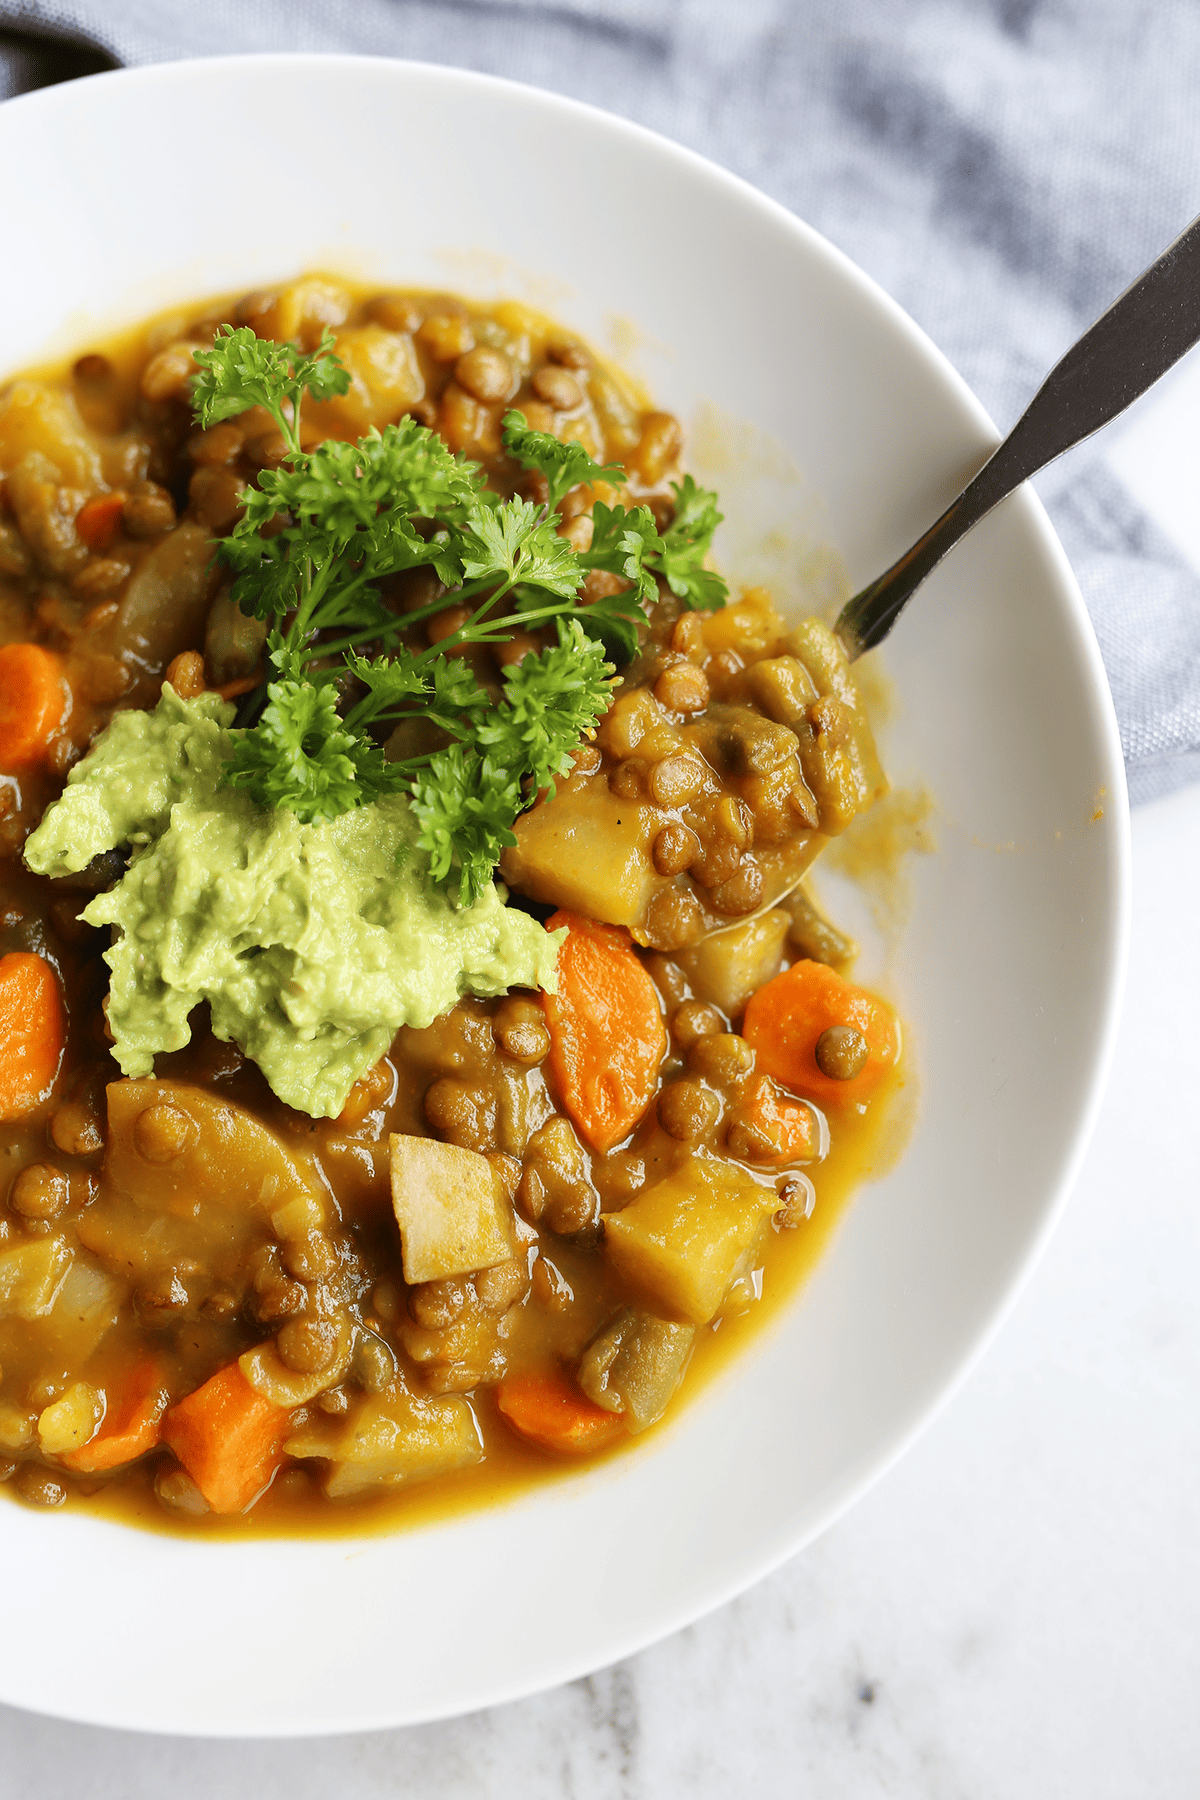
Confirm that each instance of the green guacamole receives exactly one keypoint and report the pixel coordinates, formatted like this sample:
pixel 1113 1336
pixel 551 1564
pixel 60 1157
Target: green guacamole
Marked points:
pixel 312 944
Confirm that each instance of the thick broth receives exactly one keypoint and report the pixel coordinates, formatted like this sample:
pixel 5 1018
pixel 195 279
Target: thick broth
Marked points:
pixel 197 1287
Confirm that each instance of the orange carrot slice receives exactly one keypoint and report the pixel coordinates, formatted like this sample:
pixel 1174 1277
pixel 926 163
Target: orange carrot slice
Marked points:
pixel 33 703
pixel 548 1409
pixel 32 1032
pixel 131 1426
pixel 99 520
pixel 607 1038
pixel 786 1017
pixel 228 1438
pixel 771 1126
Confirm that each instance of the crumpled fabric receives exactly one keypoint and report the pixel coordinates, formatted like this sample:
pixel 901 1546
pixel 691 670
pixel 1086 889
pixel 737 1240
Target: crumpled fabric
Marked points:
pixel 1002 167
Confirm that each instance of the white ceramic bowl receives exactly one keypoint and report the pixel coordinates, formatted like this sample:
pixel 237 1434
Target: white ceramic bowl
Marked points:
pixel 1008 972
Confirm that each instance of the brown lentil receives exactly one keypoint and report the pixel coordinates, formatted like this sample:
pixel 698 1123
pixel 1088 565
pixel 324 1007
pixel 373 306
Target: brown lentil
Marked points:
pixel 682 688
pixel 568 355
pixel 687 1111
pixel 148 510
pixel 551 1288
pixel 673 919
pixel 519 1027
pixel 721 1057
pixel 166 376
pixel 627 780
pixel 164 1132
pixel 374 1364
pixel 76 1130
pixel 502 1286
pixel 40 1191
pixel 395 312
pixel 309 1258
pixel 687 639
pixel 178 1492
pixel 461 1113
pixel 436 1304
pixel 520 645
pixel 694 1020
pixel 558 388
pixel 185 673
pixel 742 892
pixel 841 1052
pixel 101 575
pixel 675 849
pixel 798 1197
pixel 218 445
pixel 486 374
pixel 215 494
pixel 675 780
pixel 92 368
pixel 39 1486
pixel 445 624
pixel 335 1401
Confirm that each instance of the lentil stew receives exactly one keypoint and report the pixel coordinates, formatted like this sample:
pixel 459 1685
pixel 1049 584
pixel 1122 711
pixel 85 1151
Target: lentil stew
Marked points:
pixel 532 1218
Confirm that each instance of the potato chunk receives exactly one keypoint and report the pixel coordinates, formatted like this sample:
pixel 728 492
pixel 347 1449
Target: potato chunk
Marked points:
pixel 268 1374
pixel 683 1240
pixel 175 1148
pixel 588 851
pixel 395 1438
pixel 452 1217
pixel 748 626
pixel 729 966
pixel 635 1365
pixel 31 1276
pixel 385 380
pixel 34 417
pixel 303 309
pixel 71 1421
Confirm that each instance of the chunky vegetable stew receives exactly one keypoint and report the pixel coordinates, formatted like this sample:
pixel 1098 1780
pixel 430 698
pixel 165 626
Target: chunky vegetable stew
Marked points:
pixel 419 1049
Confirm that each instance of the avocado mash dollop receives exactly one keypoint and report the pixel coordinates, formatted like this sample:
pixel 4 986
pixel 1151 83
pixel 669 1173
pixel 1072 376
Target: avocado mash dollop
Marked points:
pixel 312 944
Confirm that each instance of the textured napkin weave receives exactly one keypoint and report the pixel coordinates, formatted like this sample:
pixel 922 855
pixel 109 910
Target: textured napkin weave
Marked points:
pixel 1002 167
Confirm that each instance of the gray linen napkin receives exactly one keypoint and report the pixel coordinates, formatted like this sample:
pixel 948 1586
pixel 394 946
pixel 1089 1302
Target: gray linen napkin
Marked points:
pixel 1002 167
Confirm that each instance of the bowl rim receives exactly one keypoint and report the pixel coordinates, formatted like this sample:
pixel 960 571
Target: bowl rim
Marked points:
pixel 1030 517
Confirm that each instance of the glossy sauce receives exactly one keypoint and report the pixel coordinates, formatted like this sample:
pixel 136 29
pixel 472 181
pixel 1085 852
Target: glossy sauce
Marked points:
pixel 203 1292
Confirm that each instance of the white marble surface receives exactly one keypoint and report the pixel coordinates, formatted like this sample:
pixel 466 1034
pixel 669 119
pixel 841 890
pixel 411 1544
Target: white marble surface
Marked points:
pixel 1012 1612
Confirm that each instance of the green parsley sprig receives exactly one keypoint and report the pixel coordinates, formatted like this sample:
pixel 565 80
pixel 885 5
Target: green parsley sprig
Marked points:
pixel 318 536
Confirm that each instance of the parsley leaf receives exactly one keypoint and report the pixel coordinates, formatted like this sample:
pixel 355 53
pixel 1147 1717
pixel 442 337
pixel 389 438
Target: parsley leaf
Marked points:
pixel 319 534
pixel 513 543
pixel 685 544
pixel 621 542
pixel 550 702
pixel 465 804
pixel 300 754
pixel 241 370
pixel 563 465
pixel 467 799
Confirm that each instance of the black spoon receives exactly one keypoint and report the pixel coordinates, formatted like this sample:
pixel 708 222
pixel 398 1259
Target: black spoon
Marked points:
pixel 1145 331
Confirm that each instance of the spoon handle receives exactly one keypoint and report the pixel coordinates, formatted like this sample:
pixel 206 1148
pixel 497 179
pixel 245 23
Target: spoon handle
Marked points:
pixel 1143 332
